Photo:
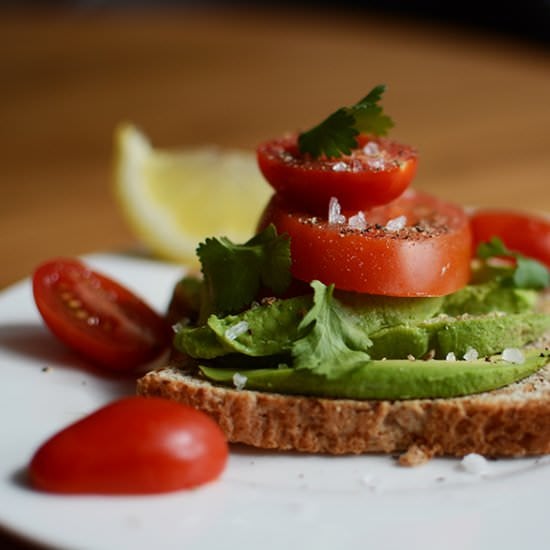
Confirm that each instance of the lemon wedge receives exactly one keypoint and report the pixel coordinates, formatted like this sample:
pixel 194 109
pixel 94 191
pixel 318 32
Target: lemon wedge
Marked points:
pixel 173 200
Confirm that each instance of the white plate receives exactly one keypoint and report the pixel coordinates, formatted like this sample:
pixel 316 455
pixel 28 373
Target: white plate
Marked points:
pixel 263 500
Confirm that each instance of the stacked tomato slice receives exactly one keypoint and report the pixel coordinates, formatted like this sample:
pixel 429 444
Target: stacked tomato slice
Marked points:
pixel 354 222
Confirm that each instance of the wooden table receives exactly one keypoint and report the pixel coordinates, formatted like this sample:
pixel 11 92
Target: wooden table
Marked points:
pixel 476 107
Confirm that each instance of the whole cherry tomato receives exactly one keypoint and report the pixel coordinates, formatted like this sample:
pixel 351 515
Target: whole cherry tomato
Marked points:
pixel 136 445
pixel 375 173
pixel 98 317
pixel 416 245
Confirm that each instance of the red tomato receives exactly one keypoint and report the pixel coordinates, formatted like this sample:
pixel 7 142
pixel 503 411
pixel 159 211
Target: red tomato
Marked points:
pixel 135 445
pixel 375 173
pixel 429 257
pixel 524 233
pixel 97 317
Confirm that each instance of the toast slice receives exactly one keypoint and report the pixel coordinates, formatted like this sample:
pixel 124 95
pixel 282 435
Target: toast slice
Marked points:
pixel 509 422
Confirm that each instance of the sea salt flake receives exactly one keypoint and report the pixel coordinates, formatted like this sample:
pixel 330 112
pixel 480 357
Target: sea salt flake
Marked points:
pixel 335 216
pixel 239 380
pixel 376 163
pixel 474 463
pixel 340 167
pixel 234 331
pixel 471 354
pixel 358 221
pixel 513 355
pixel 450 356
pixel 371 482
pixel 396 224
pixel 176 327
pixel 371 149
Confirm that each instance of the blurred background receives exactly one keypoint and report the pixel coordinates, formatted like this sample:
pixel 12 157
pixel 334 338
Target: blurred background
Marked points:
pixel 530 21
pixel 468 85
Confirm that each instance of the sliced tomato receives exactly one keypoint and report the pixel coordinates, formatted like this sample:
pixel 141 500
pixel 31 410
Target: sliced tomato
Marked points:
pixel 430 256
pixel 375 173
pixel 98 317
pixel 522 232
pixel 134 445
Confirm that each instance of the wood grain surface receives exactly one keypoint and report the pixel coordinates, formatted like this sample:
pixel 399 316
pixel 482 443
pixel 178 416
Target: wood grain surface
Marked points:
pixel 476 107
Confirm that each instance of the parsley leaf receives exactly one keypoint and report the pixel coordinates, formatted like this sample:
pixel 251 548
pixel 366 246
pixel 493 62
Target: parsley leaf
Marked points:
pixel 332 345
pixel 528 273
pixel 337 134
pixel 233 273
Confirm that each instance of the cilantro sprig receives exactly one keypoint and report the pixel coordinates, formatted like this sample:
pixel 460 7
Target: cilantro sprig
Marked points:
pixel 527 273
pixel 337 134
pixel 333 344
pixel 233 273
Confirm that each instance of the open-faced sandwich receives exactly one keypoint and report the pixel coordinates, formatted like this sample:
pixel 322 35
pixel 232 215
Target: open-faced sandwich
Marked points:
pixel 363 316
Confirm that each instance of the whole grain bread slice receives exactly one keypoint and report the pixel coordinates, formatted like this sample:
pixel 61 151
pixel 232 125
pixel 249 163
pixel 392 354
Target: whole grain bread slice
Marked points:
pixel 511 421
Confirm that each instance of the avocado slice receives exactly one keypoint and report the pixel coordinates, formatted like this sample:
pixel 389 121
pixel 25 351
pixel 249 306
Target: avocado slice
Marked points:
pixel 390 379
pixel 487 334
pixel 270 329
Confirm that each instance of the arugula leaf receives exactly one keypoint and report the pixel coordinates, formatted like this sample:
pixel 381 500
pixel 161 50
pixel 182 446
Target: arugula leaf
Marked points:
pixel 332 345
pixel 337 134
pixel 233 273
pixel 528 273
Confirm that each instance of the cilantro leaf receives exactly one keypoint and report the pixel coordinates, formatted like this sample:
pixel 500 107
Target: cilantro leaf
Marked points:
pixel 369 117
pixel 531 274
pixel 337 134
pixel 332 344
pixel 234 273
pixel 528 273
pixel 491 249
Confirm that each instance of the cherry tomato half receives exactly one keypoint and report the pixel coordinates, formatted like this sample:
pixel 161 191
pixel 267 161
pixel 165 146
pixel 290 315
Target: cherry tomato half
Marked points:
pixel 430 256
pixel 524 233
pixel 375 173
pixel 97 317
pixel 136 445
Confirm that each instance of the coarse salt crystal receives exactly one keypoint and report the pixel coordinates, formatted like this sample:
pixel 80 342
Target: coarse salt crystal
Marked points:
pixel 396 224
pixel 340 167
pixel 371 149
pixel 474 463
pixel 371 482
pixel 358 221
pixel 376 163
pixel 335 212
pixel 471 354
pixel 176 327
pixel 450 356
pixel 513 355
pixel 239 380
pixel 234 331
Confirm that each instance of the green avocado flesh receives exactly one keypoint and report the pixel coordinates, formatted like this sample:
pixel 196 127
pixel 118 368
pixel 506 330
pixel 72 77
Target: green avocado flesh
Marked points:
pixel 266 343
pixel 486 334
pixel 390 379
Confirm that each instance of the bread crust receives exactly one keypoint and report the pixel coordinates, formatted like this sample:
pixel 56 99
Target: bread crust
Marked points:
pixel 510 422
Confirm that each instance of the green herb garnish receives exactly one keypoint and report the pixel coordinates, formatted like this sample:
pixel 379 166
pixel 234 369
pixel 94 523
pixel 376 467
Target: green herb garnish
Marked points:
pixel 337 134
pixel 527 273
pixel 233 273
pixel 333 344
